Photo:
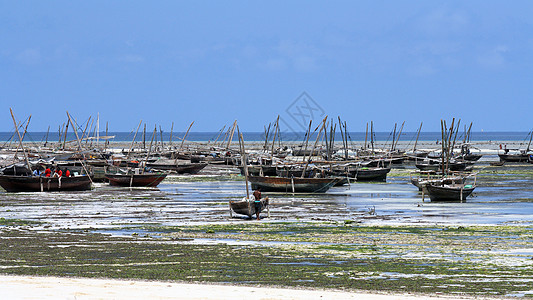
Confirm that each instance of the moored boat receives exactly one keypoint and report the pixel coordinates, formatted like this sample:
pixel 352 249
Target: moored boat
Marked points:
pixel 294 184
pixel 452 192
pixel 247 206
pixel 136 180
pixel 17 183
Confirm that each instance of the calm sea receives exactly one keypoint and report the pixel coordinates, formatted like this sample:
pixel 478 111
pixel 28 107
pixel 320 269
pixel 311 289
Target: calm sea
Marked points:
pixel 260 136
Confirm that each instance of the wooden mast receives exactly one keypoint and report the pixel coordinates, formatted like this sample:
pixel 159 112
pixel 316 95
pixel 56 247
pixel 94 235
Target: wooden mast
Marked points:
pixel 185 136
pixel 20 140
pixel 134 136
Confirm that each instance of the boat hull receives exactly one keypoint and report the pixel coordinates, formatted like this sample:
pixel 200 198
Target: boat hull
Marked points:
pixel 136 180
pixel 191 168
pixel 13 183
pixel 247 208
pixel 446 193
pixel 289 185
pixel 514 157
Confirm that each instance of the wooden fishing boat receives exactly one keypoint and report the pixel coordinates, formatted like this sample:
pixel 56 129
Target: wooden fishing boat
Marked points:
pixel 256 170
pixel 294 185
pixel 420 182
pixel 186 168
pixel 371 174
pixel 247 206
pixel 452 192
pixel 469 157
pixel 16 183
pixel 308 152
pixel 519 157
pixel 452 166
pixel 362 173
pixel 136 180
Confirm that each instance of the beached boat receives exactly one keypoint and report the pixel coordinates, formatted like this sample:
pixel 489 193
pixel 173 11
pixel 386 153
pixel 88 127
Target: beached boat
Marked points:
pixel 247 206
pixel 183 168
pixel 17 183
pixel 259 170
pixel 362 173
pixel 518 157
pixel 136 180
pixel 452 192
pixel 433 165
pixel 294 185
pixel 421 181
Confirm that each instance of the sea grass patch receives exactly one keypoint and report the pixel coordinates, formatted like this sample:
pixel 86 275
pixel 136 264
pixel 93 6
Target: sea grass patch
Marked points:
pixel 470 260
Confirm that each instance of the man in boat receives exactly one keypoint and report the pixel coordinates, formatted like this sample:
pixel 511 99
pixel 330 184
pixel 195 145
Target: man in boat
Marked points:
pixel 47 172
pixel 257 202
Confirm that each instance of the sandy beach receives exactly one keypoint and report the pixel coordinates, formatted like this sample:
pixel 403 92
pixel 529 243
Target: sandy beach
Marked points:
pixel 32 287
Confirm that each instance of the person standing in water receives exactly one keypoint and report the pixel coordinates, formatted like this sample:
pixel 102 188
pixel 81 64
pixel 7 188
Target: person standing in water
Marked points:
pixel 257 202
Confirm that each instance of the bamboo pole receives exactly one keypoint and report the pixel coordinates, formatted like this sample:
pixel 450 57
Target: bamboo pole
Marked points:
pixel 106 134
pixel 219 133
pixel 48 131
pixel 161 135
pixel 275 133
pixel 134 136
pixel 230 137
pixel 366 135
pixel 20 140
pixel 170 139
pixel 150 148
pixel 267 132
pixel 144 137
pixel 75 131
pixel 417 135
pixel 314 146
pixel 185 136
pixel 308 134
pixel 23 134
pixel 372 135
pixel 344 145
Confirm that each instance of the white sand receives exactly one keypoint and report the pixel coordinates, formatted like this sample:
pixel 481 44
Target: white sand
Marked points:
pixel 33 287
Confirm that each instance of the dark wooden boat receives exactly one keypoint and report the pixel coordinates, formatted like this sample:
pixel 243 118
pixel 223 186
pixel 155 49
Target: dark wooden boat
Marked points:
pixel 520 157
pixel 362 173
pixel 307 152
pixel 294 185
pixel 256 170
pixel 469 157
pixel 419 182
pixel 453 192
pixel 136 180
pixel 247 206
pixel 452 166
pixel 187 168
pixel 371 174
pixel 16 183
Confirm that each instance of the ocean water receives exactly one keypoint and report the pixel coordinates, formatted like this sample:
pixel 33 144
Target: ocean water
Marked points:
pixel 260 136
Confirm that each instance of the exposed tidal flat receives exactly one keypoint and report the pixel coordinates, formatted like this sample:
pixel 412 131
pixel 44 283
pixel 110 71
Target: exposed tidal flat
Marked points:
pixel 366 236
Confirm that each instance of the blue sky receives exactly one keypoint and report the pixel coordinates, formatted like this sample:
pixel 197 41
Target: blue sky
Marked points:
pixel 214 62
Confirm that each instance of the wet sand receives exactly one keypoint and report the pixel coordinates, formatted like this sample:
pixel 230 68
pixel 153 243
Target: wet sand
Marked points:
pixel 32 287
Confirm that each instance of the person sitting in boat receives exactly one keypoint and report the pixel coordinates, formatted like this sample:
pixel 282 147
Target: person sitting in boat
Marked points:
pixel 47 172
pixel 58 172
pixel 257 202
pixel 67 173
pixel 36 172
